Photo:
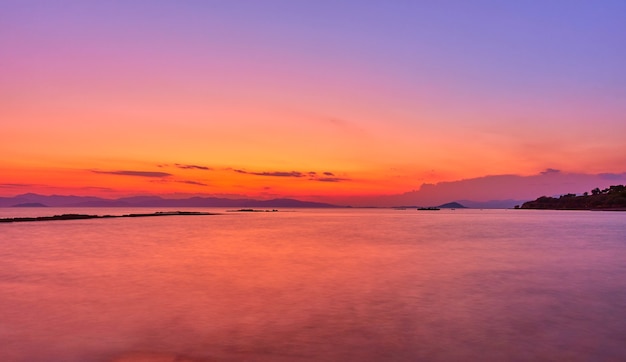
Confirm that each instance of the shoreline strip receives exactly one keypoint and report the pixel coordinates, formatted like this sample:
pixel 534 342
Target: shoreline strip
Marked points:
pixel 85 216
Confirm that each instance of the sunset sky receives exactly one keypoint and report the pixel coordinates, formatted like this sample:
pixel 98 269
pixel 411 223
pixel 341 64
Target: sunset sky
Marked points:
pixel 317 100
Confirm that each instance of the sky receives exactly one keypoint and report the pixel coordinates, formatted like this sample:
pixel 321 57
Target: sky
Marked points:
pixel 351 101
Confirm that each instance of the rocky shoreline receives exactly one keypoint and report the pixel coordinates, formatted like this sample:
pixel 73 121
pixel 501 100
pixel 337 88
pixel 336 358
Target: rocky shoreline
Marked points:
pixel 85 216
pixel 612 198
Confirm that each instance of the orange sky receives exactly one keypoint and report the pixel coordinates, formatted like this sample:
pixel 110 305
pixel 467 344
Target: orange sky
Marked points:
pixel 153 98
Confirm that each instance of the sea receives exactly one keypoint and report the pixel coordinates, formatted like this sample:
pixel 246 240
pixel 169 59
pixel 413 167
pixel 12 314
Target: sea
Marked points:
pixel 314 285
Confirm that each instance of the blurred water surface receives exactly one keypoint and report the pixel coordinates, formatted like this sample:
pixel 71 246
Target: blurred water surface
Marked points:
pixel 315 285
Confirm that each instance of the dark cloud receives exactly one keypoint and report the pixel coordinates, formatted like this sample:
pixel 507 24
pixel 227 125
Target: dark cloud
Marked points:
pixel 134 173
pixel 613 176
pixel 192 167
pixel 273 174
pixel 513 189
pixel 17 185
pixel 550 170
pixel 281 174
pixel 192 182
pixel 169 181
pixel 97 188
pixel 311 175
pixel 330 179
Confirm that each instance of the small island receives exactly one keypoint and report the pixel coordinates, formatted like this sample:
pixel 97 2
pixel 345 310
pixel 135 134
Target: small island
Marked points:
pixel 612 198
pixel 452 205
pixel 252 210
pixel 85 216
pixel 30 204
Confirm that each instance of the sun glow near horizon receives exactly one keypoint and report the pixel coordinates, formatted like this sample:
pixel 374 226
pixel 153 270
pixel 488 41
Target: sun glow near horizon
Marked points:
pixel 349 99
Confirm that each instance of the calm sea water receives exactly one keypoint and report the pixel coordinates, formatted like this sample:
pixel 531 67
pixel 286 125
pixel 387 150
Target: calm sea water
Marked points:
pixel 315 285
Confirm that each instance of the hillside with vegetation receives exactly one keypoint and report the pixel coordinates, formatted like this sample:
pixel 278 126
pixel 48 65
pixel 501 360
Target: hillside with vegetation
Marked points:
pixel 611 198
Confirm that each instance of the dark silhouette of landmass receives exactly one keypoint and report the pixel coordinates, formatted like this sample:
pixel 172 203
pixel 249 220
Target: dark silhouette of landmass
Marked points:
pixel 451 205
pixel 155 201
pixel 84 216
pixel 491 204
pixel 30 204
pixel 252 210
pixel 611 198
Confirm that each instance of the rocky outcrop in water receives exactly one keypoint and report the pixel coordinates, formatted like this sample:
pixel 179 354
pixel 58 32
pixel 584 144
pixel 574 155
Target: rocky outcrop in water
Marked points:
pixel 84 216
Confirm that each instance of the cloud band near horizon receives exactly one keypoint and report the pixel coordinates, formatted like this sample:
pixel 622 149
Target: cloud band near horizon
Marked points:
pixel 134 173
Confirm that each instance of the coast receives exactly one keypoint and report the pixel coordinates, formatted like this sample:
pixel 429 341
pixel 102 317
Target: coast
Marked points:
pixel 85 216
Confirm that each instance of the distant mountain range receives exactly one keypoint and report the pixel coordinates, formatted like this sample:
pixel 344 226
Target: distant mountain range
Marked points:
pixel 35 200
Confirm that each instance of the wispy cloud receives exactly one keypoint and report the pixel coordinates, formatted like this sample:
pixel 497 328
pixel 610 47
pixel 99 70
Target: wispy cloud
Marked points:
pixel 330 179
pixel 134 173
pixel 192 182
pixel 96 188
pixel 310 175
pixel 613 176
pixel 8 185
pixel 550 170
pixel 192 167
pixel 348 127
pixel 273 173
pixel 169 181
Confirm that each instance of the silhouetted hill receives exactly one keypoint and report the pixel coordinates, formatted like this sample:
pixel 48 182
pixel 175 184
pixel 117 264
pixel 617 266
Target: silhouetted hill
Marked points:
pixel 451 205
pixel 30 204
pixel 49 200
pixel 153 201
pixel 611 198
pixel 491 204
